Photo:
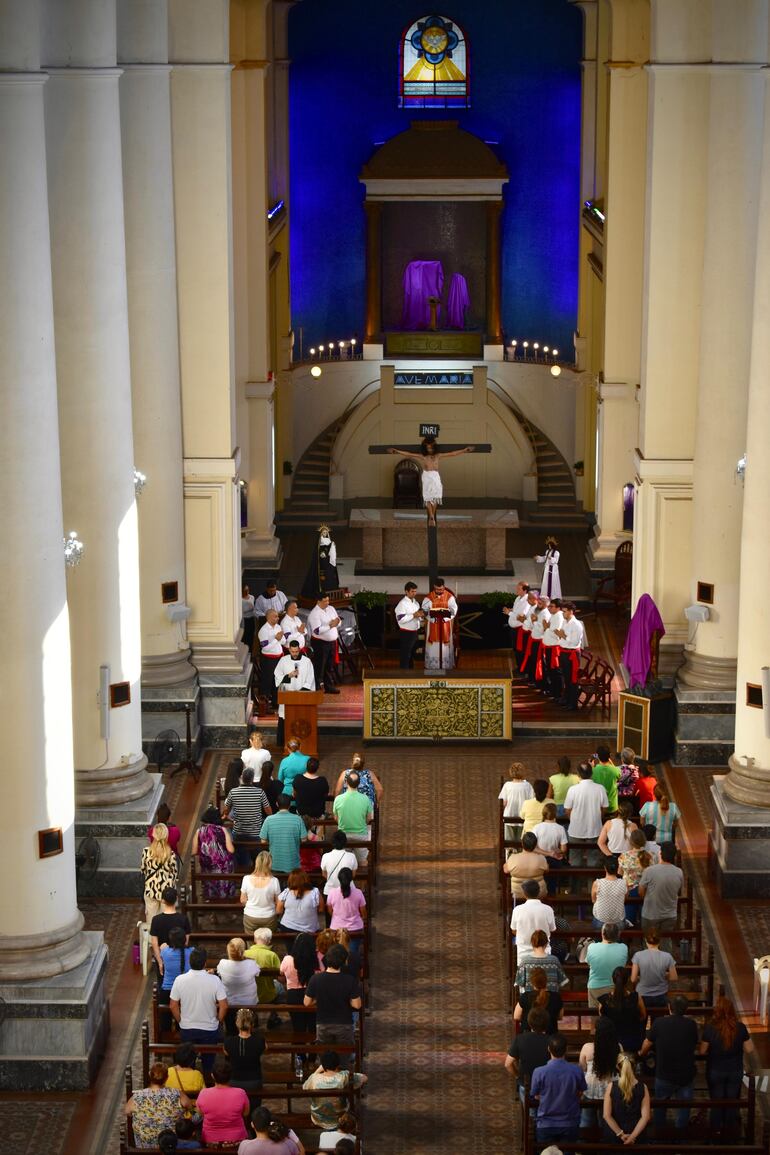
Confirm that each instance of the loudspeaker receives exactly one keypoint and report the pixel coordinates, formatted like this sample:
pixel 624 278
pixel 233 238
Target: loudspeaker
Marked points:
pixel 697 613
pixel 178 612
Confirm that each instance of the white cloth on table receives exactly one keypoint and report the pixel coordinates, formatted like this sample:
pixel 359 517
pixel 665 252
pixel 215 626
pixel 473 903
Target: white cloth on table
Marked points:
pixel 432 489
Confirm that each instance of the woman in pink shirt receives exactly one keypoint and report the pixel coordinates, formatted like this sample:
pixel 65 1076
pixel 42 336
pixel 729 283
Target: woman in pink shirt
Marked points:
pixel 223 1108
pixel 348 907
pixel 163 814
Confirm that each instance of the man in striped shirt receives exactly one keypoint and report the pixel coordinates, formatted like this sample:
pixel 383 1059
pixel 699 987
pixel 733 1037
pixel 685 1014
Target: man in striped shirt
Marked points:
pixel 248 805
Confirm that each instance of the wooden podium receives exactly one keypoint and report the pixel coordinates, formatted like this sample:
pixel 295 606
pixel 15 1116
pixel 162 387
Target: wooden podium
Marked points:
pixel 301 721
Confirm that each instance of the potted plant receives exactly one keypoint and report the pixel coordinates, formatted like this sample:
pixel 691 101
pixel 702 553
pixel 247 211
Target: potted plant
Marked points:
pixel 369 607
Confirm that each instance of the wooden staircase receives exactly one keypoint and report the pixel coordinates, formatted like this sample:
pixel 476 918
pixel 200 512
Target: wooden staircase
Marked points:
pixel 308 507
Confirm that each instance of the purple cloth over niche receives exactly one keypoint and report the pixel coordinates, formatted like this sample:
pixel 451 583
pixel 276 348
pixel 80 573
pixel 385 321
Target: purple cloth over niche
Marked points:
pixel 458 300
pixel 422 279
pixel 636 652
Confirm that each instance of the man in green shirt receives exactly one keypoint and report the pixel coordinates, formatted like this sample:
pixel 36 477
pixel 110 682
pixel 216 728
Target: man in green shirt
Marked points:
pixel 354 812
pixel 607 774
pixel 283 832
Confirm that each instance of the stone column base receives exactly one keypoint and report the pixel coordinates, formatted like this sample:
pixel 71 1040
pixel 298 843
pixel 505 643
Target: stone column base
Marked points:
pixel 261 550
pixel 225 709
pixel 167 669
pixel 55 1031
pixel 702 672
pixel 121 831
pixel 705 726
pixel 42 956
pixel 739 844
pixel 163 708
pixel 106 785
pixel 600 551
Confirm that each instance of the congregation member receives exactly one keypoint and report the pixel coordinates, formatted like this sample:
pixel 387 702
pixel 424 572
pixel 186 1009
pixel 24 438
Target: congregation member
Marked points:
pixel 326 1111
pixel 540 958
pixel 224 1108
pixel 183 1074
pixel 291 765
pixel 336 859
pixel 628 780
pixel 585 806
pixel 608 896
pixel 310 790
pixel 662 814
pixel 214 846
pixel 652 971
pixel 199 1004
pixel 155 1108
pixel 368 782
pixel 159 870
pixel 354 812
pixel 283 833
pixel 163 923
pixel 538 994
pixel 299 904
pixel 247 805
pixel 632 866
pixel 269 636
pixel 552 843
pixel 244 1049
pixel 259 894
pixel 626 1111
pixel 604 959
pixel 660 886
pixel 526 865
pixel 269 990
pixel 607 773
pixel 513 794
pixel 323 623
pixel 560 783
pixel 674 1038
pixel 532 810
pixel 645 783
pixel 174 960
pixel 529 1049
pixel 293 673
pixel 726 1043
pixel 255 755
pixel 272 1136
pixel 163 814
pixel 409 617
pixel 650 844
pixel 559 1087
pixel 615 837
pixel 335 996
pixel 598 1060
pixel 238 975
pixel 626 1010
pixel 271 599
pixel 529 916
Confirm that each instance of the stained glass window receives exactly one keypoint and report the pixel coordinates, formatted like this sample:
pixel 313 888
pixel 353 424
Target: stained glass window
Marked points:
pixel 434 65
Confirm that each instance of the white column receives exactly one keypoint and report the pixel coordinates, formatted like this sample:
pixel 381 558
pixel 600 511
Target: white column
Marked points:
pixel 145 114
pixel 749 781
pixel 94 387
pixel 40 925
pixel 260 399
pixel 200 118
pixel 735 133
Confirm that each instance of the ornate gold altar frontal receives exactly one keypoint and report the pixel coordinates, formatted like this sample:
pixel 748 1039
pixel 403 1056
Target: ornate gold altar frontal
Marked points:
pixel 434 708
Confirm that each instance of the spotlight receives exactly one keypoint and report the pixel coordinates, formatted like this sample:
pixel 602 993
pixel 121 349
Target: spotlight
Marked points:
pixel 321 348
pixel 312 352
pixel 352 341
pixel 555 352
pixel 316 371
pixel 556 370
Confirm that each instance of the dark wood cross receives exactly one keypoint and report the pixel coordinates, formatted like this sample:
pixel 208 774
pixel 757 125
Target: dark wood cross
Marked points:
pixel 444 447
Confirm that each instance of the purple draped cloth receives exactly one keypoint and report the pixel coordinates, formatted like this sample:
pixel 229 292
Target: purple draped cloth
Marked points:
pixel 458 300
pixel 422 279
pixel 636 652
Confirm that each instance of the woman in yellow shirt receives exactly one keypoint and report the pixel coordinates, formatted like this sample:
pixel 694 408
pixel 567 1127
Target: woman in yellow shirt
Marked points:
pixel 531 811
pixel 183 1075
pixel 560 784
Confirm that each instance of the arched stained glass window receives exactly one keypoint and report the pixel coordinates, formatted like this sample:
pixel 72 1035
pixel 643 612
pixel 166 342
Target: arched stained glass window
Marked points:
pixel 434 65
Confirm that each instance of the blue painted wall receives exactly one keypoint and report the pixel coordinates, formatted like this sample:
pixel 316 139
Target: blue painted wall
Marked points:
pixel 525 94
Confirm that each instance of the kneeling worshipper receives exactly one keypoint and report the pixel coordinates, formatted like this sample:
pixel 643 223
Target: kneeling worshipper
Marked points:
pixel 292 672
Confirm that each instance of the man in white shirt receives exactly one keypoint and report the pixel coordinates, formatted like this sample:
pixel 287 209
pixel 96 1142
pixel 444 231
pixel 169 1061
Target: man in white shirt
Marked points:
pixel 322 623
pixel 199 1004
pixel 530 916
pixel 516 614
pixel 551 651
pixel 271 599
pixel 255 755
pixel 270 652
pixel 571 641
pixel 408 618
pixel 293 672
pixel 293 628
pixel 525 617
pixel 585 806
pixel 533 667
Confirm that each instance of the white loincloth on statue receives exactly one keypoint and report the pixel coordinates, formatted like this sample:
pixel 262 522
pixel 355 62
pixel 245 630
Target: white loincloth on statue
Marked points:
pixel 432 489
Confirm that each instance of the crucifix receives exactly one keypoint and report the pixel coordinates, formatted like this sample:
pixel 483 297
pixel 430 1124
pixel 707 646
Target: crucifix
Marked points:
pixel 428 456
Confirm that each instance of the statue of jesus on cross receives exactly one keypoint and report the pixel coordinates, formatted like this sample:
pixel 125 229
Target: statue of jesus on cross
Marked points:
pixel 428 460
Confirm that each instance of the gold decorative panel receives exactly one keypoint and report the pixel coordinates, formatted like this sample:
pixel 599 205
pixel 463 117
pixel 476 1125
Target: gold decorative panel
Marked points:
pixel 459 709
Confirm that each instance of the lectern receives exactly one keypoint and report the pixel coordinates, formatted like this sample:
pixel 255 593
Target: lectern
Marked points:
pixel 301 720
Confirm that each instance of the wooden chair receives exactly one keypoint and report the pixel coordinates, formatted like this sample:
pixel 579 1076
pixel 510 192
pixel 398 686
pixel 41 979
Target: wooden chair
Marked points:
pixel 406 485
pixel 620 592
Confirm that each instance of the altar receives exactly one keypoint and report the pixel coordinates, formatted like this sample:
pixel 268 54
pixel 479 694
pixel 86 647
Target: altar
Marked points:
pixel 400 705
pixel 470 540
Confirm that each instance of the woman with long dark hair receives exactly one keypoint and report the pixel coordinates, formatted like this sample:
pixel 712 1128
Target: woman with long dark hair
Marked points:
pixel 347 906
pixel 626 1010
pixel 538 995
pixel 598 1060
pixel 213 844
pixel 725 1041
pixel 297 968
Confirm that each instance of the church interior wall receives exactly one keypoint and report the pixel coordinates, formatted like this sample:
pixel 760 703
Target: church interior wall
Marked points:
pixel 525 97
